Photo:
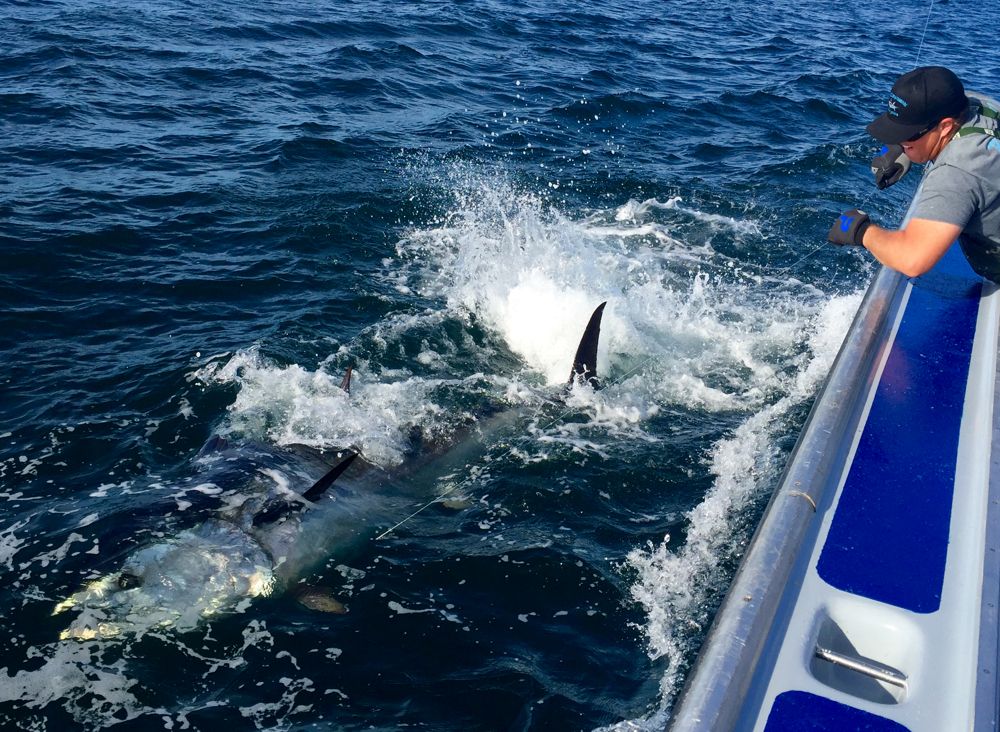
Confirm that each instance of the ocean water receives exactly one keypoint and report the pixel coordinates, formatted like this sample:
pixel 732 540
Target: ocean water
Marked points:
pixel 209 211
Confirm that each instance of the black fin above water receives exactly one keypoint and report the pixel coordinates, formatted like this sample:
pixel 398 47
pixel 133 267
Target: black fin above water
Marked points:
pixel 321 485
pixel 346 383
pixel 585 361
pixel 283 508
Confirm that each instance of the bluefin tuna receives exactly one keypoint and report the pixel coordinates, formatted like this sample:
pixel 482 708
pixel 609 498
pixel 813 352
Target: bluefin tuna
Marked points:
pixel 267 536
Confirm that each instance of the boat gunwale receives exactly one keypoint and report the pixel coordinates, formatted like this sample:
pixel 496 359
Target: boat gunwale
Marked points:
pixel 719 683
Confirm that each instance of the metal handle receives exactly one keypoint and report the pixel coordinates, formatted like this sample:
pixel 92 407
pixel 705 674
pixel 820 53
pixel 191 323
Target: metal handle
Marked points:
pixel 863 666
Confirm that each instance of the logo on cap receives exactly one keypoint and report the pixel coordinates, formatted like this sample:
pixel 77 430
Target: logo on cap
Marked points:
pixel 894 103
pixel 918 99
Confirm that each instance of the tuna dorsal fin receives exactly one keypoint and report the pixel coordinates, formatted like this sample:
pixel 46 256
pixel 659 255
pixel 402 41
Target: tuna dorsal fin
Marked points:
pixel 585 361
pixel 346 383
pixel 321 485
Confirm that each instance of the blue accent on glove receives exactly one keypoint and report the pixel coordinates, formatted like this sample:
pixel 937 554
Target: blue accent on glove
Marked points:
pixel 849 228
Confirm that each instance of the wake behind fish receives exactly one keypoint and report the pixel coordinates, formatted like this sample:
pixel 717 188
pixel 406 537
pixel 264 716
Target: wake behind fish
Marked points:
pixel 679 587
pixel 491 298
pixel 681 332
pixel 508 262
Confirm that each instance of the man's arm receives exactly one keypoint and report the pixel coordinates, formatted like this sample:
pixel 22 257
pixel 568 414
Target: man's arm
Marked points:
pixel 914 249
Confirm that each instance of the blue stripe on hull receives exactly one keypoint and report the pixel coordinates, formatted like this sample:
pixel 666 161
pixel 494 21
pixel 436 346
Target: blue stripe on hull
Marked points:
pixel 889 538
pixel 798 711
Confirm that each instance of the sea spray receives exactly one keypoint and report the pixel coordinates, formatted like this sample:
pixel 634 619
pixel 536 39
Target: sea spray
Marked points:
pixel 680 588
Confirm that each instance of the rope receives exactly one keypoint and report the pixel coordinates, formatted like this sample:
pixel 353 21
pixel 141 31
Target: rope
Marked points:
pixel 800 494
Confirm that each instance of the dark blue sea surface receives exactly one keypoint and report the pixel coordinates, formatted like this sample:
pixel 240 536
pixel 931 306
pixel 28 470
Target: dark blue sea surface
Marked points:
pixel 210 211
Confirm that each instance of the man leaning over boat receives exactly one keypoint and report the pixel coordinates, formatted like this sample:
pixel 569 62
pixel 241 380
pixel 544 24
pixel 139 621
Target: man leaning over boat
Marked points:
pixel 932 120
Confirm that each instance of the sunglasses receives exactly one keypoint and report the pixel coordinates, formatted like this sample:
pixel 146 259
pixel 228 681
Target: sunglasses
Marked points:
pixel 922 132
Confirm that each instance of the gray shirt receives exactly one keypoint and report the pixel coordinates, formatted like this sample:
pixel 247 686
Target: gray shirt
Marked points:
pixel 962 187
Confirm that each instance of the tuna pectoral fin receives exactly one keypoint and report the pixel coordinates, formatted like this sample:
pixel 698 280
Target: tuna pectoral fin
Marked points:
pixel 327 480
pixel 320 599
pixel 585 361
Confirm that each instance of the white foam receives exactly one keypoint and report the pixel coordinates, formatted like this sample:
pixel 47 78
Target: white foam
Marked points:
pixel 400 609
pixel 207 489
pixel 676 586
pixel 292 405
pixel 535 276
pixel 74 675
pixel 671 335
pixel 55 555
pixel 217 370
pixel 683 328
pixel 272 715
pixel 636 211
pixel 10 543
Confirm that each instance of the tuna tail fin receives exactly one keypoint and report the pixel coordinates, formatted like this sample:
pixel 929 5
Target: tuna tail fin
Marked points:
pixel 346 383
pixel 321 485
pixel 585 361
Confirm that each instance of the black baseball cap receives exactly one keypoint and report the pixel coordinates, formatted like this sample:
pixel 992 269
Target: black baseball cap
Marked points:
pixel 919 99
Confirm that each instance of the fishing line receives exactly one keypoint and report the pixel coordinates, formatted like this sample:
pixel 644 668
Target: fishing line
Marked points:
pixel 916 63
pixel 799 261
pixel 923 35
pixel 793 265
pixel 468 481
pixel 867 198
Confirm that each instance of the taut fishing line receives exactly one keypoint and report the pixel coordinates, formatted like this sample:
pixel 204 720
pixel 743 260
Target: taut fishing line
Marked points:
pixel 867 198
pixel 509 451
pixel 467 481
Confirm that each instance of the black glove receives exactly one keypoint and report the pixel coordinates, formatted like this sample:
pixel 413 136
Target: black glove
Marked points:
pixel 849 228
pixel 890 165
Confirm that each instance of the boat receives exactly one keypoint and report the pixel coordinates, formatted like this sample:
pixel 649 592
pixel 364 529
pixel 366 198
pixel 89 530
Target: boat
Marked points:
pixel 867 598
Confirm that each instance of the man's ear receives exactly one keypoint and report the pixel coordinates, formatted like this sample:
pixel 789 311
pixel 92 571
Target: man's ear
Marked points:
pixel 950 125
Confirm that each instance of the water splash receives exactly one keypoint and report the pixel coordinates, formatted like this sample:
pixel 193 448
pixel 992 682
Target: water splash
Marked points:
pixel 683 330
pixel 679 588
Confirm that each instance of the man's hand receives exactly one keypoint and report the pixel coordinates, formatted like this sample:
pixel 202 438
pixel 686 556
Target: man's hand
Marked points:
pixel 849 228
pixel 890 165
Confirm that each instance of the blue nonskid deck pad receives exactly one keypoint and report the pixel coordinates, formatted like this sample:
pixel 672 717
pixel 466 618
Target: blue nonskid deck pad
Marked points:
pixel 799 711
pixel 889 538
